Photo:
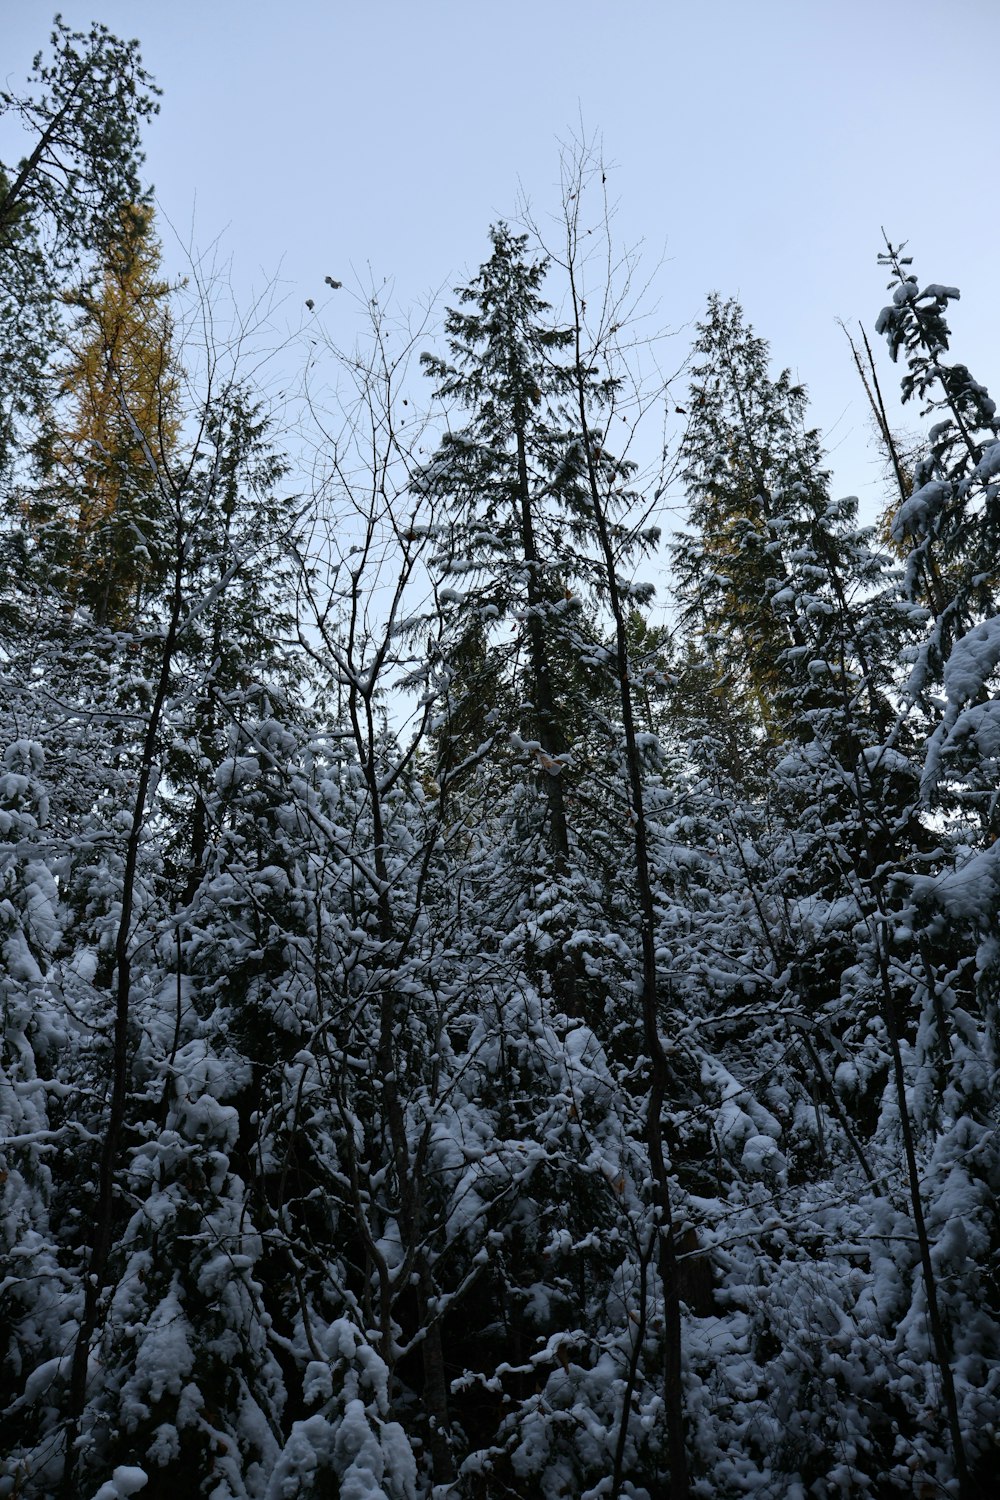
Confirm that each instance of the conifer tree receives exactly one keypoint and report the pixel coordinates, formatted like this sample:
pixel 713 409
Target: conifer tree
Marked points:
pixel 110 439
pixel 519 554
pixel 81 113
pixel 950 525
pixel 28 321
pixel 749 460
pixel 512 513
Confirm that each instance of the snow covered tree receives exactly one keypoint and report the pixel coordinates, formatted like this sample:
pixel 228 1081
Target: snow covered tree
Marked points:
pixel 35 1029
pixel 456 1037
pixel 949 524
pixel 159 1169
pixel 521 585
pixel 237 534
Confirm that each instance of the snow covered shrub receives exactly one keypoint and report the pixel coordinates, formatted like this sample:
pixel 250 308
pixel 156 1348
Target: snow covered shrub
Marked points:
pixel 349 1445
pixel 33 1308
pixel 189 1387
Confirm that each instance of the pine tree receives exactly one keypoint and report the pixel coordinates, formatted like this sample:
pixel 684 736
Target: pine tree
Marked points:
pixel 82 114
pixel 28 325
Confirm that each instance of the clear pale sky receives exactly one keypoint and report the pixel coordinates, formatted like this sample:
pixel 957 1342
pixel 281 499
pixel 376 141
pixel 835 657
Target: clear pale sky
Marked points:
pixel 759 145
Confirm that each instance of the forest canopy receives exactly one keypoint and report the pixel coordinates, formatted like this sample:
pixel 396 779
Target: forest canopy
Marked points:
pixel 499 984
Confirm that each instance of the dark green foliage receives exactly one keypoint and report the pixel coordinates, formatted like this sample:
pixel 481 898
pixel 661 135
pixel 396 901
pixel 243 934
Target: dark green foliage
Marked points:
pixel 82 114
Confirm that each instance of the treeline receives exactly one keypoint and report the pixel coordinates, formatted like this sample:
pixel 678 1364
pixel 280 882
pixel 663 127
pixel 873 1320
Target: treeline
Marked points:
pixel 460 1036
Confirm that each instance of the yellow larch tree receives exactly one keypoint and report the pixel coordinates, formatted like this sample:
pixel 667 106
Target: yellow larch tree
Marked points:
pixel 108 449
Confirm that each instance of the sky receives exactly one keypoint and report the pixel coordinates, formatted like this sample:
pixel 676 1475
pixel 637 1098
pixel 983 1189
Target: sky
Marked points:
pixel 757 148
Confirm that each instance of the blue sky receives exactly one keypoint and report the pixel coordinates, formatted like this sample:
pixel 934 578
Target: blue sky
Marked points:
pixel 758 148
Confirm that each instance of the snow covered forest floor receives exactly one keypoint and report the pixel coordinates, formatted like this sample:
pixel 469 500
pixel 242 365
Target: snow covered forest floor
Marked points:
pixel 462 1037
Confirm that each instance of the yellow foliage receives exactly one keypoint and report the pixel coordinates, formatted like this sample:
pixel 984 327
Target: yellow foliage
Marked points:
pixel 119 389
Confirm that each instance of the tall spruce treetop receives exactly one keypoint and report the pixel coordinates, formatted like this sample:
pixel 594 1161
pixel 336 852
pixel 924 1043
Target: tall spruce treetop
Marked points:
pixel 791 600
pixel 511 484
pixel 749 461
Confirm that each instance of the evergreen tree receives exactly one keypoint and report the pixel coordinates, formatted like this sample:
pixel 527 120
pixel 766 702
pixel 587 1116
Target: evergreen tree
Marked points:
pixel 28 324
pixel 749 463
pixel 585 1087
pixel 519 553
pixel 82 115
pixel 512 513
pixel 951 526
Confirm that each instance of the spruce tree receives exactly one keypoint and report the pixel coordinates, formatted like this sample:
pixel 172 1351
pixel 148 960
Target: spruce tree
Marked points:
pixel 749 461
pixel 499 476
pixel 518 555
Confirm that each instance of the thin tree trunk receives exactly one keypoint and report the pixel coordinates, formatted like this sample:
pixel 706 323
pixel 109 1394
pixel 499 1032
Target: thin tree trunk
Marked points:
pixel 541 686
pixel 435 1391
pixel 408 1187
pixel 939 1333
pixel 660 1071
pixel 104 1224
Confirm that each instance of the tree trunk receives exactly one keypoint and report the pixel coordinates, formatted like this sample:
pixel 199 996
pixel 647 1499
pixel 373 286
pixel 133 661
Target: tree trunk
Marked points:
pixel 660 1072
pixel 104 1224
pixel 541 677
